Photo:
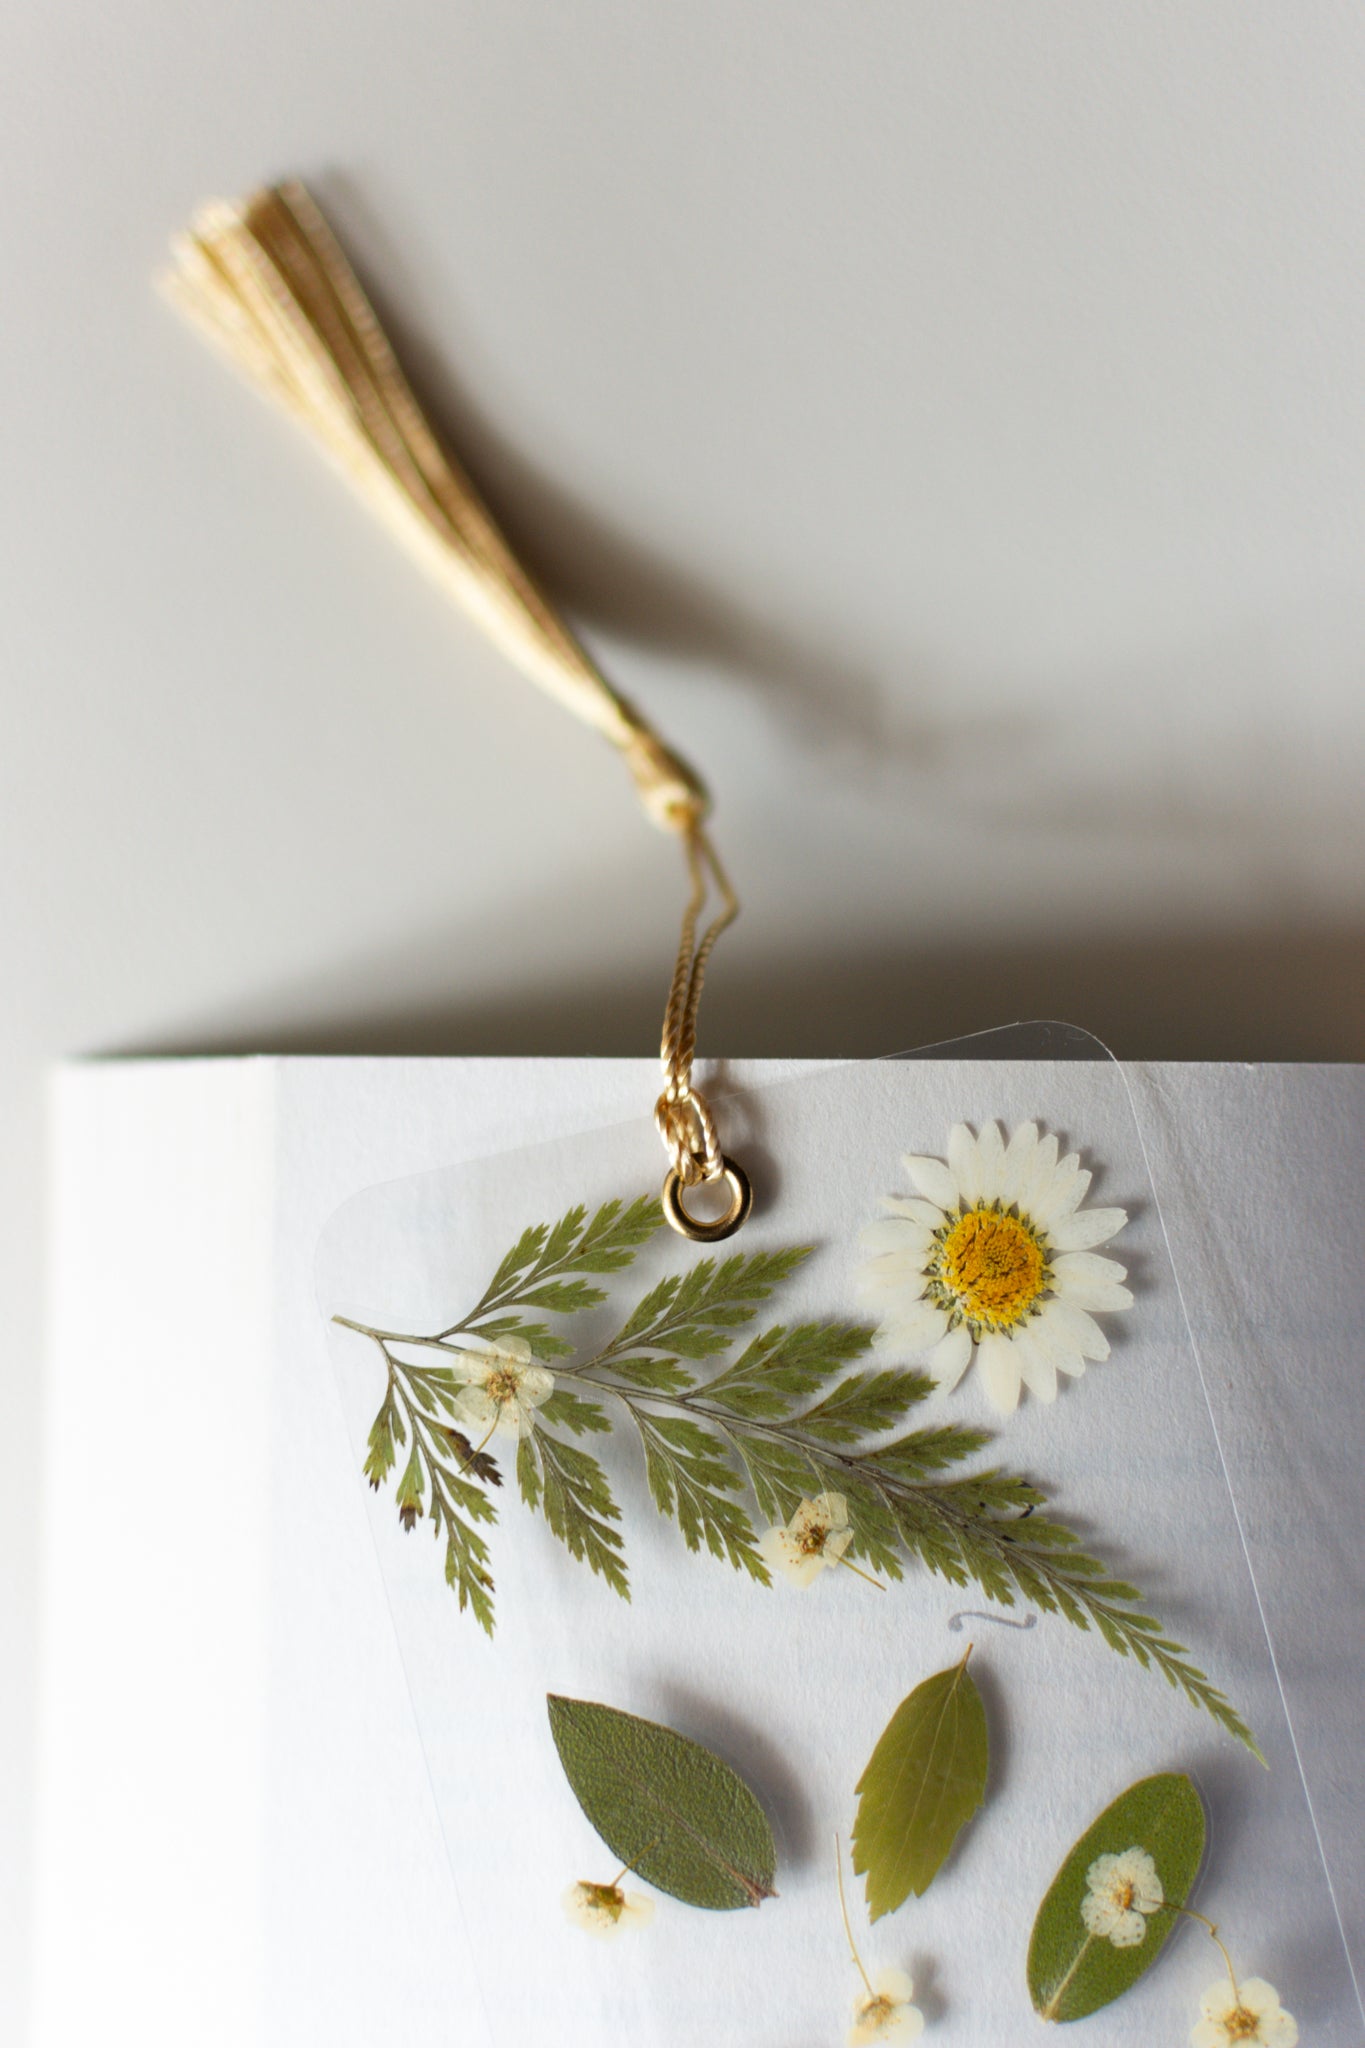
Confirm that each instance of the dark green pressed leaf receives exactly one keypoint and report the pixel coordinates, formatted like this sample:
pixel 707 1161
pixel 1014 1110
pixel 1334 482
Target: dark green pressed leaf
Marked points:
pixel 923 1783
pixel 670 1810
pixel 1072 1972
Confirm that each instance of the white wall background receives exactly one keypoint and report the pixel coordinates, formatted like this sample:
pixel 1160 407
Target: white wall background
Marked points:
pixel 949 420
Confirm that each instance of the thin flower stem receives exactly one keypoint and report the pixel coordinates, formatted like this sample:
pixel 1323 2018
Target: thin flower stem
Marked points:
pixel 843 1908
pixel 632 1869
pixel 1214 1936
pixel 857 1569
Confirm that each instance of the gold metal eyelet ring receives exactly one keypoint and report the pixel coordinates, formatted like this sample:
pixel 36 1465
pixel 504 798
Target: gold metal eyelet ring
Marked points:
pixel 741 1202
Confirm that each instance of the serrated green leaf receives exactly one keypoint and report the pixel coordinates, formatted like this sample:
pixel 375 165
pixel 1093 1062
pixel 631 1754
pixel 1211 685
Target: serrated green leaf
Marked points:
pixel 528 1472
pixel 652 1375
pixel 923 1782
pixel 781 1367
pixel 691 1481
pixel 564 1410
pixel 386 1433
pixel 1072 1972
pixel 563 1297
pixel 669 1809
pixel 864 1404
pixel 578 1505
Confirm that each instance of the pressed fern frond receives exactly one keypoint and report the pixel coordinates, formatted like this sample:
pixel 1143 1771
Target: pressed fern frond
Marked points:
pixel 789 1415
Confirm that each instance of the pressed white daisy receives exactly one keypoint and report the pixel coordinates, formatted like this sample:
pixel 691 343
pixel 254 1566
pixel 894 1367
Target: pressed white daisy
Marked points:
pixel 605 1910
pixel 886 2014
pixel 503 1387
pixel 994 1258
pixel 817 1535
pixel 1233 2015
pixel 1121 1891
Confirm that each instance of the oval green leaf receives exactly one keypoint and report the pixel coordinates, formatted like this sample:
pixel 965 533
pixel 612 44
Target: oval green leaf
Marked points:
pixel 665 1806
pixel 1071 1971
pixel 924 1781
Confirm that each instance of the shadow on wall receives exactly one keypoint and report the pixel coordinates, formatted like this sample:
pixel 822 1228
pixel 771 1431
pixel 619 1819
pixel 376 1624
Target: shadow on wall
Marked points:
pixel 1270 995
pixel 1277 993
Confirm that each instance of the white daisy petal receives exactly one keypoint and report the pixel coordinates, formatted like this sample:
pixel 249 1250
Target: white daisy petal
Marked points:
pixel 1092 1263
pixel 1037 1368
pixel 1035 1182
pixel 932 1178
pixel 950 1358
pixel 1051 1345
pixel 990 1148
pixel 515 1347
pixel 1000 1373
pixel 912 1328
pixel 889 1273
pixel 894 1234
pixel 1090 1282
pixel 915 1209
pixel 1018 1162
pixel 1085 1228
pixel 1064 1194
pixel 893 1984
pixel 1074 1330
pixel 964 1163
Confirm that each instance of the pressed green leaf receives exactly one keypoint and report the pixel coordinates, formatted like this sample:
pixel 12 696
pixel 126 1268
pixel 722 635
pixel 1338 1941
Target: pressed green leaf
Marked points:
pixel 924 1781
pixel 386 1432
pixel 782 1366
pixel 578 1505
pixel 652 1375
pixel 564 1297
pixel 864 1404
pixel 569 1411
pixel 691 1480
pixel 1072 1972
pixel 665 1806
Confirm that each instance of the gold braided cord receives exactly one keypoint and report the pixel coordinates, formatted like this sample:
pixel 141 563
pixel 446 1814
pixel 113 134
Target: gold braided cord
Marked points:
pixel 266 280
pixel 683 1117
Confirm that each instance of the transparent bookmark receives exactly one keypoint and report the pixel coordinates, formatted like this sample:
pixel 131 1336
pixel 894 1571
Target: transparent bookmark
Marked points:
pixel 514 1389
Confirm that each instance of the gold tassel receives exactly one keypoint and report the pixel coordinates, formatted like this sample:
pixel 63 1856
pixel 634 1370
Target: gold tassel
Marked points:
pixel 267 282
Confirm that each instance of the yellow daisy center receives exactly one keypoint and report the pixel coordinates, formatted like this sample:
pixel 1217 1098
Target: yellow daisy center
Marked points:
pixel 1241 2025
pixel 502 1386
pixel 991 1267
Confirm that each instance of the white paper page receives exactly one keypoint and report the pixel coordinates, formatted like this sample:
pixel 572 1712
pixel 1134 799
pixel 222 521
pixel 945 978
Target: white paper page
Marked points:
pixel 794 1689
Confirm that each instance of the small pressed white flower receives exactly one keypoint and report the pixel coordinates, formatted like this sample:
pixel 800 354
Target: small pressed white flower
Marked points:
pixel 503 1387
pixel 817 1535
pixel 604 1909
pixel 1122 1890
pixel 993 1258
pixel 885 2013
pixel 1233 2015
